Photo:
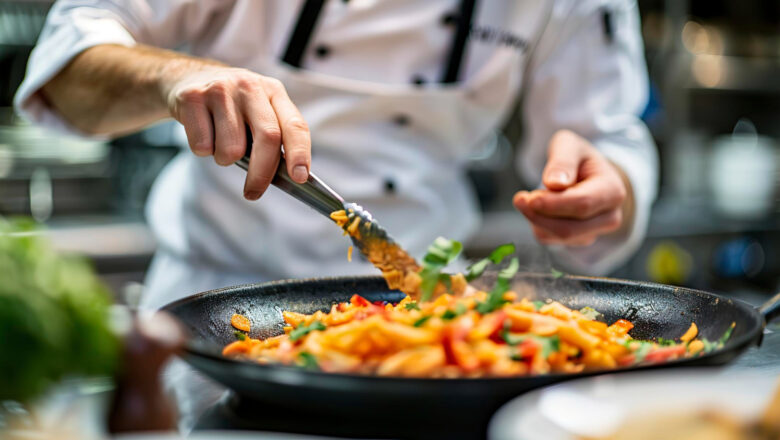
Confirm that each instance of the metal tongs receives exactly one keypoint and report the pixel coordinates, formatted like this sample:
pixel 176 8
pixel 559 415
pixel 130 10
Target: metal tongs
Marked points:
pixel 320 197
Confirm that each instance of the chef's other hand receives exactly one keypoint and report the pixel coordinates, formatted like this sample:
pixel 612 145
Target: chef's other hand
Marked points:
pixel 586 195
pixel 216 104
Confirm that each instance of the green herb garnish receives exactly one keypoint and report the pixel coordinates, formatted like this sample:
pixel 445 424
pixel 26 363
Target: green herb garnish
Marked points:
pixel 495 298
pixel 710 346
pixel 441 253
pixel 411 306
pixel 644 349
pixel 460 309
pixel 726 335
pixel 303 330
pixel 666 342
pixel 239 335
pixel 421 321
pixel 548 344
pixel 538 304
pixel 307 361
pixel 557 273
pixel 496 257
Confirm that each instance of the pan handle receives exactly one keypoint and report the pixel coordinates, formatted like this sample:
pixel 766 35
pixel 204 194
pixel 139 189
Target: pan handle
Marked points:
pixel 770 310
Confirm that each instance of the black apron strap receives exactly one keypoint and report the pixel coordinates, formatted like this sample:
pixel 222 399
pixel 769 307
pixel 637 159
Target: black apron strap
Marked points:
pixel 455 59
pixel 301 34
pixel 310 13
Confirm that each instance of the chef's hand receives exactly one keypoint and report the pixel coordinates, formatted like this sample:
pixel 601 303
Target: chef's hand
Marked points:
pixel 216 103
pixel 586 196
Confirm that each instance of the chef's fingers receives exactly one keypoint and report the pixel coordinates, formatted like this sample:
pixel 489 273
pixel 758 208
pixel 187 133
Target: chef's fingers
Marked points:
pixel 545 237
pixel 267 143
pixel 196 119
pixel 295 132
pixel 229 134
pixel 571 230
pixel 588 198
pixel 564 154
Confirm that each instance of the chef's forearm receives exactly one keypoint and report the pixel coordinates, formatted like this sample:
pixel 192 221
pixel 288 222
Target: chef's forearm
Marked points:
pixel 110 89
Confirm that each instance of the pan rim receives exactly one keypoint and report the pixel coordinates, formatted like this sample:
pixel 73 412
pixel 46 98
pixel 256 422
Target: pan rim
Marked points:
pixel 267 371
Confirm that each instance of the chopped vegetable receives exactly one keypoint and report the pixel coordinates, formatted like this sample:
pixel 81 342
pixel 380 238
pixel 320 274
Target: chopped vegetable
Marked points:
pixel 526 349
pixel 359 301
pixel 460 309
pixel 496 257
pixel 240 322
pixel 349 254
pixel 690 333
pixel 547 344
pixel 496 298
pixel 240 336
pixel 411 306
pixel 695 346
pixel 303 330
pixel 307 361
pixel 421 321
pixel 723 339
pixel 665 354
pixel 538 304
pixel 441 253
pixel 641 353
pixel 557 273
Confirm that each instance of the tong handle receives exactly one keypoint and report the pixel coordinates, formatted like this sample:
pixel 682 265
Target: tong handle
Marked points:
pixel 314 193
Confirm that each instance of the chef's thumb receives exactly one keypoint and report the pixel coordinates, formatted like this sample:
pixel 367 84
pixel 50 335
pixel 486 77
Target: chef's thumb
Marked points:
pixel 564 156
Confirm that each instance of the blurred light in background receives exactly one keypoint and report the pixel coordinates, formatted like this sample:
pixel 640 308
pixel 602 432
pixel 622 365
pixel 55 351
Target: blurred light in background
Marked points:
pixel 708 70
pixel 698 39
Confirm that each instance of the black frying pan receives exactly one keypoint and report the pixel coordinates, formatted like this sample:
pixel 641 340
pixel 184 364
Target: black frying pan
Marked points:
pixel 658 311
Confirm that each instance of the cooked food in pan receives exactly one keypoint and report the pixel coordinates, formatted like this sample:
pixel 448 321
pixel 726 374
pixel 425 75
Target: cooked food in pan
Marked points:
pixel 461 332
pixel 486 334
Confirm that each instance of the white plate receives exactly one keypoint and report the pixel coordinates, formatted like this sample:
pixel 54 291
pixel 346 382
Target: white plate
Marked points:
pixel 599 405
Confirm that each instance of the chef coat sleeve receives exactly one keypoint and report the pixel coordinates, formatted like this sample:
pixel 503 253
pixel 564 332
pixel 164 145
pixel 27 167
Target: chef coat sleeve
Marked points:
pixel 73 26
pixel 588 74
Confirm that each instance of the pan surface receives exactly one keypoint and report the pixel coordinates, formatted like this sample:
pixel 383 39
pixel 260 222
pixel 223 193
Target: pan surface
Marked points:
pixel 656 311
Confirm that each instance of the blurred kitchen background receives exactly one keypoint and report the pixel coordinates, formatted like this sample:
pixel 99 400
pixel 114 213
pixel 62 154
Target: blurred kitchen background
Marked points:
pixel 714 112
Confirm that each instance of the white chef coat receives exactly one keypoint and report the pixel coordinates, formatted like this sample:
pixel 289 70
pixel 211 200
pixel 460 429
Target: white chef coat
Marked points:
pixel 369 86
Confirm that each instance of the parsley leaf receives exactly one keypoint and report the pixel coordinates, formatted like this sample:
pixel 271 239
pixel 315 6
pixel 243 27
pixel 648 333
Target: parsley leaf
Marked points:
pixel 421 321
pixel 496 257
pixel 239 335
pixel 307 361
pixel 501 252
pixel 411 306
pixel 440 253
pixel 710 346
pixel 475 270
pixel 726 335
pixel 303 330
pixel 460 309
pixel 495 298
